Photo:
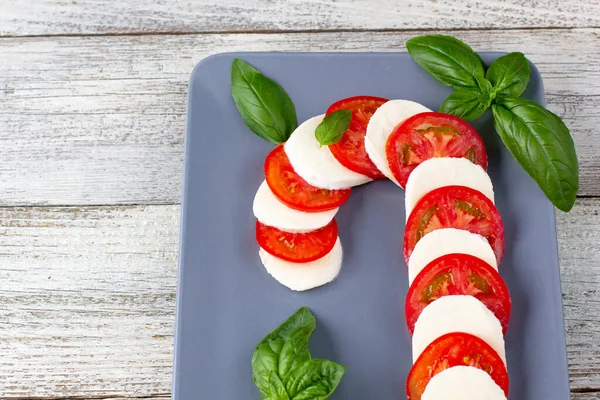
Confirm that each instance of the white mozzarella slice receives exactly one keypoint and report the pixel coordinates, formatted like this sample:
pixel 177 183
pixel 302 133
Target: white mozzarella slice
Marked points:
pixel 304 276
pixel 272 212
pixel 445 171
pixel 381 125
pixel 457 314
pixel 461 382
pixel 315 163
pixel 444 241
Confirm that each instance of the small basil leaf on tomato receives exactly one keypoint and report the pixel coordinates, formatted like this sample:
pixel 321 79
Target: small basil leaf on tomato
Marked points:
pixel 466 104
pixel 542 144
pixel 448 60
pixel 264 106
pixel 314 379
pixel 509 74
pixel 333 126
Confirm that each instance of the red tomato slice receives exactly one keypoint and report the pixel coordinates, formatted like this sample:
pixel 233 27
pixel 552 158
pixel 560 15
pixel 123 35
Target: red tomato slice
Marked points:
pixel 297 247
pixel 454 274
pixel 350 150
pixel 455 207
pixel 432 134
pixel 294 191
pixel 452 350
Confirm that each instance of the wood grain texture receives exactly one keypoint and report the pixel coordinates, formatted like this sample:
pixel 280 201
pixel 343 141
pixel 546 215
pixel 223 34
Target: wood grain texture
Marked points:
pixel 51 17
pixel 87 299
pixel 100 120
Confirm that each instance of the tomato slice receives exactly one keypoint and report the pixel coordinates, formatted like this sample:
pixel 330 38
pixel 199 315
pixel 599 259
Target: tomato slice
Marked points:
pixel 294 191
pixel 455 207
pixel 432 134
pixel 297 247
pixel 350 150
pixel 456 274
pixel 452 350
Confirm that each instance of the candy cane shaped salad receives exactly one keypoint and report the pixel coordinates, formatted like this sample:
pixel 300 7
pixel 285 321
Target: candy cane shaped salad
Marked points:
pixel 458 306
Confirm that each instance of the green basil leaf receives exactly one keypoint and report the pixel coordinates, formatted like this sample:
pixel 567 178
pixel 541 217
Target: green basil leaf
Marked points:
pixel 333 126
pixel 485 86
pixel 283 349
pixel 264 106
pixel 301 318
pixel 294 351
pixel 448 60
pixel 542 144
pixel 276 388
pixel 509 74
pixel 314 380
pixel 466 104
pixel 265 361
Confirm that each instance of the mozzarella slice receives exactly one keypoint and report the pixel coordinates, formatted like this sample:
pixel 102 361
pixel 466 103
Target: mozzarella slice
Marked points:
pixel 381 125
pixel 461 382
pixel 304 276
pixel 272 212
pixel 315 163
pixel 445 171
pixel 457 314
pixel 448 241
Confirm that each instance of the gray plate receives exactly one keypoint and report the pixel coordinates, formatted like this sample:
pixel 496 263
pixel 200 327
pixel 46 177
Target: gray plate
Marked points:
pixel 226 302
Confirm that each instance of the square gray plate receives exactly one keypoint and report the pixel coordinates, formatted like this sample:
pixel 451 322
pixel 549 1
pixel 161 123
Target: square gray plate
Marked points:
pixel 226 302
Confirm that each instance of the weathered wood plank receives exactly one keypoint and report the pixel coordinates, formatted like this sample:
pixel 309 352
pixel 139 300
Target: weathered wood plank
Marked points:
pixel 48 17
pixel 100 120
pixel 87 299
pixel 586 396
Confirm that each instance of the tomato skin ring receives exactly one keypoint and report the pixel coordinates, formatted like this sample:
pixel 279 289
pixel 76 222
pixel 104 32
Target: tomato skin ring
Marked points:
pixel 297 247
pixel 406 147
pixel 295 192
pixel 458 274
pixel 350 150
pixel 450 350
pixel 440 207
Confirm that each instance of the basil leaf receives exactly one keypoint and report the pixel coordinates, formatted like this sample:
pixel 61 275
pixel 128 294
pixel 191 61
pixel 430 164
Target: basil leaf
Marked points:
pixel 466 104
pixel 283 349
pixel 314 380
pixel 301 318
pixel 294 351
pixel 485 86
pixel 509 74
pixel 264 106
pixel 542 144
pixel 276 388
pixel 265 361
pixel 333 126
pixel 448 60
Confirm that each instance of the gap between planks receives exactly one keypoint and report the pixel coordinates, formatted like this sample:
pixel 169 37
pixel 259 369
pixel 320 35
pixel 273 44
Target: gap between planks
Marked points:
pixel 291 32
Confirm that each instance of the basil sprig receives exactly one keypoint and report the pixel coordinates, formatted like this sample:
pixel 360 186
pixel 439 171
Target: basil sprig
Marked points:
pixel 537 138
pixel 264 106
pixel 333 126
pixel 282 367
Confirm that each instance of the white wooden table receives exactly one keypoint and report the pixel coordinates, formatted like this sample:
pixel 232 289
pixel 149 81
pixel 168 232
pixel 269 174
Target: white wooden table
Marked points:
pixel 92 105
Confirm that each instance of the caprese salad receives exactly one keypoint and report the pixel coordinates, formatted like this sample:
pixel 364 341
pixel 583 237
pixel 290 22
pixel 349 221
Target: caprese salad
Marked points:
pixel 457 306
